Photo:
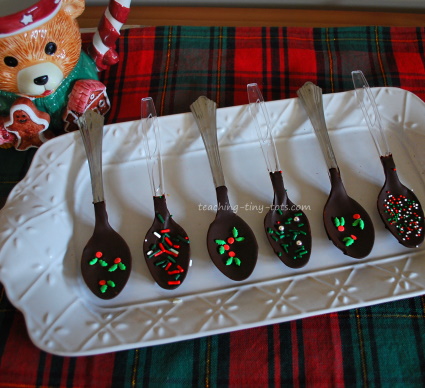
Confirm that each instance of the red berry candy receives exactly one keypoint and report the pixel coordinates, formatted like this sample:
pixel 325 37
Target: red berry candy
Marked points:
pixel 226 247
pixel 102 282
pixel 230 240
pixel 341 228
pixel 117 260
pixel 232 254
pixel 353 237
pixel 99 255
pixel 356 216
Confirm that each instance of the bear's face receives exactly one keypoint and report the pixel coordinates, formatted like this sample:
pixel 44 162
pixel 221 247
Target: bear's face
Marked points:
pixel 35 62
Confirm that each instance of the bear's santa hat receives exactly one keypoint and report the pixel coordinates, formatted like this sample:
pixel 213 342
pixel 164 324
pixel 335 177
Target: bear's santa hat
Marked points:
pixel 29 15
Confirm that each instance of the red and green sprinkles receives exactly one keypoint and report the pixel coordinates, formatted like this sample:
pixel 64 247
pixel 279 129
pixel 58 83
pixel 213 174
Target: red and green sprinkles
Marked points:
pixel 403 213
pixel 165 250
pixel 226 247
pixel 116 265
pixel 289 234
pixel 340 224
pixel 105 284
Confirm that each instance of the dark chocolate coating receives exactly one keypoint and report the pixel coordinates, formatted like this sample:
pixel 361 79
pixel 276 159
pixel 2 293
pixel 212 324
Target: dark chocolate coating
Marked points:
pixel 393 187
pixel 221 229
pixel 159 266
pixel 288 211
pixel 339 205
pixel 112 245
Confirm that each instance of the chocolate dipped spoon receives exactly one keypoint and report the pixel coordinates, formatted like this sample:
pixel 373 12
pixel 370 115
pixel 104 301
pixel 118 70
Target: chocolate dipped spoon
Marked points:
pixel 166 247
pixel 398 206
pixel 347 224
pixel 287 227
pixel 106 259
pixel 230 241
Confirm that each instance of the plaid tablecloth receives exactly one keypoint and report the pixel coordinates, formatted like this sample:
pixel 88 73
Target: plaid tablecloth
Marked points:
pixel 381 345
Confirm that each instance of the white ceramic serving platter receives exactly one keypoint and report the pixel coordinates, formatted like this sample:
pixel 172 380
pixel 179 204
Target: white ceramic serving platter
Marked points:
pixel 49 217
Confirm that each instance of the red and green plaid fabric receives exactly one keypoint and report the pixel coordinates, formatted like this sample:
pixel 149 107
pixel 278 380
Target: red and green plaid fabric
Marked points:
pixel 378 346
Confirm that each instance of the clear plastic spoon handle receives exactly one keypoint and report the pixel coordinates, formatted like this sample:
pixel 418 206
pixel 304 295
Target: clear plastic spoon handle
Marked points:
pixel 370 111
pixel 152 145
pixel 310 96
pixel 258 110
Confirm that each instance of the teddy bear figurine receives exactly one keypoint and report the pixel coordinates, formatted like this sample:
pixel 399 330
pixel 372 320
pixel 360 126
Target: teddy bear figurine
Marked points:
pixel 46 80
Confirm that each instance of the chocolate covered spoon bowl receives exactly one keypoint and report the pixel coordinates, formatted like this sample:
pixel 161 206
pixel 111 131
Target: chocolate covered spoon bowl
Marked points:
pixel 398 207
pixel 286 225
pixel 230 241
pixel 106 259
pixel 166 246
pixel 346 222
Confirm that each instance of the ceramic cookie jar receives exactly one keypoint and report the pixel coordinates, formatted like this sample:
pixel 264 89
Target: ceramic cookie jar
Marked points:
pixel 46 80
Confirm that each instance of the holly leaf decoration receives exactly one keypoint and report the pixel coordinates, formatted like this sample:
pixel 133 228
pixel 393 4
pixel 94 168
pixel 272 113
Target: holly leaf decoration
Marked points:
pixel 342 221
pixel 122 266
pixel 229 261
pixel 337 222
pixel 221 249
pixel 348 241
pixel 240 238
pixel 103 263
pixel 237 261
pixel 113 267
pixel 110 283
pixel 220 242
pixel 359 222
pixel 235 232
pixel 103 288
pixel 93 261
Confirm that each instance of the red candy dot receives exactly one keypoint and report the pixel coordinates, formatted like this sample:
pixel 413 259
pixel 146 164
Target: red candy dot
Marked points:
pixel 102 282
pixel 232 254
pixel 341 228
pixel 230 240
pixel 356 216
pixel 226 247
pixel 99 255
pixel 353 237
pixel 117 260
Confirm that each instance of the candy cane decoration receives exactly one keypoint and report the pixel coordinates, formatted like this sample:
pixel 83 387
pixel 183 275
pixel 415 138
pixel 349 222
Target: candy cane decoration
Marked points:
pixel 102 49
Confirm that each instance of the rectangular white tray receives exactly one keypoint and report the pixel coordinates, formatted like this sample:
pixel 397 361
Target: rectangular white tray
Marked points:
pixel 49 217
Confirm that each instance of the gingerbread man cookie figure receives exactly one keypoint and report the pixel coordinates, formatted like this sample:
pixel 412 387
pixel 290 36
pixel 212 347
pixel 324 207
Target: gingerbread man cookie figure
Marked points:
pixel 28 124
